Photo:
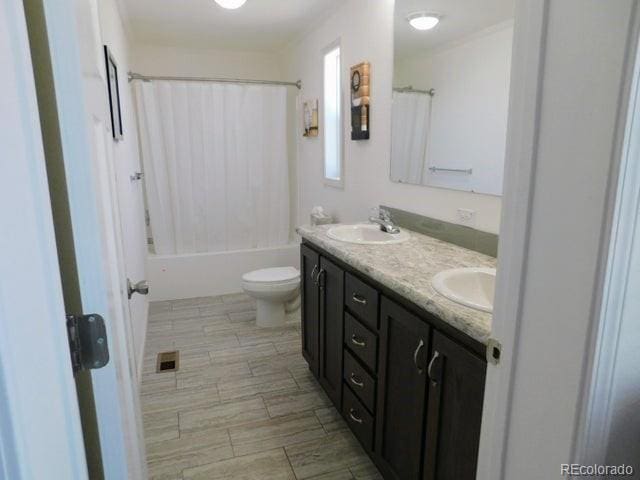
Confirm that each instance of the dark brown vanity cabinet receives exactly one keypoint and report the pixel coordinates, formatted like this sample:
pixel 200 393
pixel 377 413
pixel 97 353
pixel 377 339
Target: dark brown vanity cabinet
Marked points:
pixel 402 392
pixel 310 307
pixel 454 411
pixel 322 320
pixel 408 385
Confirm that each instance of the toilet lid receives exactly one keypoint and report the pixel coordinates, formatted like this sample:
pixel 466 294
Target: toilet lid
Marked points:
pixel 270 275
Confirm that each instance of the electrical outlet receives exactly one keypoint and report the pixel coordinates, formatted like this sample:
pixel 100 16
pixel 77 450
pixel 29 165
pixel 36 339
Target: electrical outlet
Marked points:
pixel 467 217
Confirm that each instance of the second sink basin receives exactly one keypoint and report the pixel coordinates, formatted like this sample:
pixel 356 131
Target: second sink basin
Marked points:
pixel 366 233
pixel 472 287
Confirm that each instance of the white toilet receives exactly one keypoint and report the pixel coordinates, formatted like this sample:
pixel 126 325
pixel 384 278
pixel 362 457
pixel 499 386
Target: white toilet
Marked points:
pixel 275 289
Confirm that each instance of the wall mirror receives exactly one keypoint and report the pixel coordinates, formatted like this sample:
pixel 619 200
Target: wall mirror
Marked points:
pixel 451 92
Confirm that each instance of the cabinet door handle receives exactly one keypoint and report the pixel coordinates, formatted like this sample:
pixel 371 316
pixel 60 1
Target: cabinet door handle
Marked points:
pixel 436 354
pixel 359 299
pixel 356 341
pixel 320 277
pixel 356 381
pixel 313 273
pixel 415 356
pixel 354 417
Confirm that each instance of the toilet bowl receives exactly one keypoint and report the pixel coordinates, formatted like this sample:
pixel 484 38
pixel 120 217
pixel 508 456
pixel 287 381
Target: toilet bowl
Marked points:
pixel 274 289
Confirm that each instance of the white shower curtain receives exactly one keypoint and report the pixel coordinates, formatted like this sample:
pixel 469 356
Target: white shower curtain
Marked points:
pixel 409 134
pixel 215 162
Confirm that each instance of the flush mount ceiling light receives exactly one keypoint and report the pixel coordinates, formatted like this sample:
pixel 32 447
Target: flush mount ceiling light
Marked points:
pixel 230 4
pixel 423 20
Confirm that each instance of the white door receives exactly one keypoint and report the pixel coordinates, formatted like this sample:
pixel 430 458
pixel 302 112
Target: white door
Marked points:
pixel 83 110
pixel 40 431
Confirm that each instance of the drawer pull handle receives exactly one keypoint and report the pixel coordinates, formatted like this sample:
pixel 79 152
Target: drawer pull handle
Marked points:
pixel 356 341
pixel 313 273
pixel 356 381
pixel 415 356
pixel 354 417
pixel 359 299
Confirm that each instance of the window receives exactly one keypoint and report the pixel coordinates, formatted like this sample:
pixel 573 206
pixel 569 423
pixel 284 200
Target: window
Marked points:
pixel 332 100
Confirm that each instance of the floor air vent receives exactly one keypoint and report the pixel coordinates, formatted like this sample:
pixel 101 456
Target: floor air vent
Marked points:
pixel 167 362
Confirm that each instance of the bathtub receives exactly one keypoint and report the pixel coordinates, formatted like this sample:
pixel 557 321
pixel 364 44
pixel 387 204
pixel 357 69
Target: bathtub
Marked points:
pixel 173 277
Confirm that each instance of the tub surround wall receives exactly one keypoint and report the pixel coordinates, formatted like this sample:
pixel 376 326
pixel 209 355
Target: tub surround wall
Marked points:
pixel 407 269
pixel 174 277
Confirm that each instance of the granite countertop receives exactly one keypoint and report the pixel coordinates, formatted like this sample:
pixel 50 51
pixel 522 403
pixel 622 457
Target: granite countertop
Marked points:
pixel 407 268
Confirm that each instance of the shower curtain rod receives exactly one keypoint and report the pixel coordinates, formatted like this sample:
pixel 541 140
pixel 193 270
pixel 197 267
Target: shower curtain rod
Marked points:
pixel 431 92
pixel 146 78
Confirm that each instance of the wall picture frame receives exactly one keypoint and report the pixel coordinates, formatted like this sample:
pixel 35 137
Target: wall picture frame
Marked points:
pixel 113 90
pixel 310 118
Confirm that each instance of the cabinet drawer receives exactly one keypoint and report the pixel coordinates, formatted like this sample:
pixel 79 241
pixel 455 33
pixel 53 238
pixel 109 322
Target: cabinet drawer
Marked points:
pixel 362 384
pixel 362 342
pixel 362 300
pixel 360 421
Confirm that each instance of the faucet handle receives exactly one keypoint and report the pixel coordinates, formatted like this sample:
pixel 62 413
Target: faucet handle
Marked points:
pixel 384 214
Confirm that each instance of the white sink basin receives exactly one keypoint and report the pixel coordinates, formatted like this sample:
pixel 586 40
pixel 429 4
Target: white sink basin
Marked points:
pixel 472 287
pixel 367 234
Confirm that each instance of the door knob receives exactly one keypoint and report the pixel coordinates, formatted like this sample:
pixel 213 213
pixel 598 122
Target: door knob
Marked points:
pixel 141 287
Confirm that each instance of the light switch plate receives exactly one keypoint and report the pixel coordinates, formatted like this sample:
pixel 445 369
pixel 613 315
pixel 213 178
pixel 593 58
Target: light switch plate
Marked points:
pixel 467 217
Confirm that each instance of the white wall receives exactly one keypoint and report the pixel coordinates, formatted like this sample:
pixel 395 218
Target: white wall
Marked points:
pixel 159 60
pixel 469 110
pixel 126 162
pixel 365 28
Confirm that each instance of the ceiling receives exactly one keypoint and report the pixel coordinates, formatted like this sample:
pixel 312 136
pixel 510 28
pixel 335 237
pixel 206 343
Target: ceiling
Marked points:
pixel 460 18
pixel 259 25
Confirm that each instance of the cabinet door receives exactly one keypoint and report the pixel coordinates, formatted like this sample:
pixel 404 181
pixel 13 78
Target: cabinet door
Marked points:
pixel 402 379
pixel 331 282
pixel 456 391
pixel 309 268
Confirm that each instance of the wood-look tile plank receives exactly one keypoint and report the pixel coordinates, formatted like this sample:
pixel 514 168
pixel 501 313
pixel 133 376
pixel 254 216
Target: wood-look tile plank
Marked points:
pixel 366 471
pixel 160 426
pixel 294 402
pixel 330 419
pixel 242 387
pixel 339 475
pixel 195 302
pixel 222 356
pixel 275 363
pixel 210 374
pixel 158 382
pixel 171 457
pixel 180 399
pixel 272 465
pixel 337 451
pixel 228 308
pixel 257 336
pixel 273 433
pixel 224 415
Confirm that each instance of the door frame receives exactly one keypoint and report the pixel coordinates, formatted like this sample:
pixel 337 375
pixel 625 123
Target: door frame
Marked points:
pixel 40 431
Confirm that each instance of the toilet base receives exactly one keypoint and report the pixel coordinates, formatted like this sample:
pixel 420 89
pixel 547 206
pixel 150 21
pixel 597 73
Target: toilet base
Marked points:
pixel 270 314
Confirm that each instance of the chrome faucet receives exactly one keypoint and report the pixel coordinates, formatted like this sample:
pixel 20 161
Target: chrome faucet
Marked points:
pixel 384 220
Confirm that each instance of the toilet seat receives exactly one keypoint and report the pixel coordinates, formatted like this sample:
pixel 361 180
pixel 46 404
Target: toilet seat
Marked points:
pixel 272 276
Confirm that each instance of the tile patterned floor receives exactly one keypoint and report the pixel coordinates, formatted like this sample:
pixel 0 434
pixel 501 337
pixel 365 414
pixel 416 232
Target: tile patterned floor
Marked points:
pixel 243 404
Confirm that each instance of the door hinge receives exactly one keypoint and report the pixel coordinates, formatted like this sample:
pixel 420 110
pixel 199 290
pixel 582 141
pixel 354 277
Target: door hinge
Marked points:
pixel 87 341
pixel 494 351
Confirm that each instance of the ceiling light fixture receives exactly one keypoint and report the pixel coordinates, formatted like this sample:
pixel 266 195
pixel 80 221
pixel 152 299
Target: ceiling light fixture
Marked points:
pixel 231 4
pixel 423 20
